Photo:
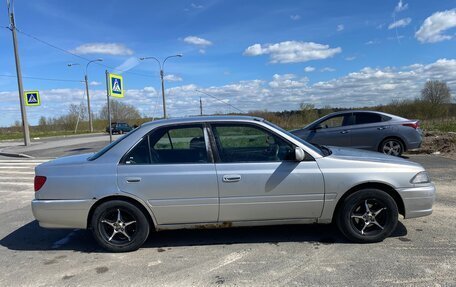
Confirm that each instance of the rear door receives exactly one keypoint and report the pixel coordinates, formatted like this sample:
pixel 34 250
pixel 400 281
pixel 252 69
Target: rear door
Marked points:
pixel 173 170
pixel 369 130
pixel 332 131
pixel 259 179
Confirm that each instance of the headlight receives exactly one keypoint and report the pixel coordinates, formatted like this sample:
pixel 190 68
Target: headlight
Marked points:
pixel 421 177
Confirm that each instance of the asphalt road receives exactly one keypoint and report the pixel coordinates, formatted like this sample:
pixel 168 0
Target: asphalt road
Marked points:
pixel 421 251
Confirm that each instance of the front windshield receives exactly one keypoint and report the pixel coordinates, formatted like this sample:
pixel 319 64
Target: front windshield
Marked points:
pixel 312 147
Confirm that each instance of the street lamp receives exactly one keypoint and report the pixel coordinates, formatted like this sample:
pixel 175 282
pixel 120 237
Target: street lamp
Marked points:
pixel 162 66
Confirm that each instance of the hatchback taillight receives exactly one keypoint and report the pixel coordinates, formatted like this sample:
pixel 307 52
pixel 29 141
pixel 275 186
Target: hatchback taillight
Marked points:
pixel 39 182
pixel 414 125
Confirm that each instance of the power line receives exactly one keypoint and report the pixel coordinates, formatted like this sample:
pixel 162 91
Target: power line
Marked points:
pixel 220 100
pixel 76 55
pixel 44 79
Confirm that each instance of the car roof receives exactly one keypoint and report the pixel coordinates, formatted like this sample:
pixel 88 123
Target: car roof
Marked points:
pixel 366 111
pixel 198 119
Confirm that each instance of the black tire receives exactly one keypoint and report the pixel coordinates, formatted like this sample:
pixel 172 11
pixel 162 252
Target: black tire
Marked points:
pixel 119 235
pixel 355 221
pixel 392 146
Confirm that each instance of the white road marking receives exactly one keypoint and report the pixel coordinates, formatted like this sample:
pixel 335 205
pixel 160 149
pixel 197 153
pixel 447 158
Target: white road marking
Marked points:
pixel 16 167
pixel 17 183
pixel 15 172
pixel 18 164
pixel 15 178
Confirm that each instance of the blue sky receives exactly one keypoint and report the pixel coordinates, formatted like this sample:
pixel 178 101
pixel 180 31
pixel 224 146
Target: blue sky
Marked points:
pixel 256 55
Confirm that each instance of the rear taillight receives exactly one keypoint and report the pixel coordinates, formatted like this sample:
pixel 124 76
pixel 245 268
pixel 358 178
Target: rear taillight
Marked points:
pixel 39 182
pixel 415 125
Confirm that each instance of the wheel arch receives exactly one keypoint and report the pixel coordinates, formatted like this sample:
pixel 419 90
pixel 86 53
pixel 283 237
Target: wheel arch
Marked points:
pixel 375 185
pixel 134 201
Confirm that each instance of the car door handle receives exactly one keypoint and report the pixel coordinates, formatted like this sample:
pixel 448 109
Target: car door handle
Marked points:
pixel 381 128
pixel 231 178
pixel 344 132
pixel 133 179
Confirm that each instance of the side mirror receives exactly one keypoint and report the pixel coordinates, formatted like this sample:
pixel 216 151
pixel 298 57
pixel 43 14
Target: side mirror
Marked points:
pixel 317 127
pixel 299 154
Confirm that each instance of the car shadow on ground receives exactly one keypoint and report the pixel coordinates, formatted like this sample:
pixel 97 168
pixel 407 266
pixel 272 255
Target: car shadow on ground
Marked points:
pixel 31 237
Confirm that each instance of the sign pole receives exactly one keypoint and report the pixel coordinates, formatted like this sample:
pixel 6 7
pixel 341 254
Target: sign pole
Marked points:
pixel 109 108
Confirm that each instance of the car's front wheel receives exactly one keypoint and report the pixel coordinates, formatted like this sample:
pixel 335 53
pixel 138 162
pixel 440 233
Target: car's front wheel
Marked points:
pixel 119 226
pixel 367 216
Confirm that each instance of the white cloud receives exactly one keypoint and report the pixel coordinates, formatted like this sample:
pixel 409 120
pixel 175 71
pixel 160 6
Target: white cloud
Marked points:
pixel 366 87
pixel 372 42
pixel 292 51
pixel 172 78
pixel 202 51
pixel 400 23
pixel 128 64
pixel 327 69
pixel 434 26
pixel 103 48
pixel 340 27
pixel 94 83
pixel 309 69
pixel 197 6
pixel 295 17
pixel 193 40
pixel 287 81
pixel 351 58
pixel 400 7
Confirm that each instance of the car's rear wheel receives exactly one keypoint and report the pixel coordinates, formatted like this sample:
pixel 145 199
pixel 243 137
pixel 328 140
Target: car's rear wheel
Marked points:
pixel 392 147
pixel 119 226
pixel 368 215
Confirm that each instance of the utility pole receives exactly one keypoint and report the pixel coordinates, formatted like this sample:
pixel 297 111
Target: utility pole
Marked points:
pixel 25 127
pixel 88 103
pixel 86 80
pixel 201 107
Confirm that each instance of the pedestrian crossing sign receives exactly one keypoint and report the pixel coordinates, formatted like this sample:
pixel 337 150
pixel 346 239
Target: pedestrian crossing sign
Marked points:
pixel 116 86
pixel 32 98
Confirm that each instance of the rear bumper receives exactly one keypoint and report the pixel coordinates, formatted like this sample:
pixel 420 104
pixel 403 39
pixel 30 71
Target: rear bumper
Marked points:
pixel 62 213
pixel 418 200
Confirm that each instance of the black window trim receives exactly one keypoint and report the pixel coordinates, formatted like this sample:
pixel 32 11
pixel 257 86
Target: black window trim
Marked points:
pixel 218 160
pixel 202 125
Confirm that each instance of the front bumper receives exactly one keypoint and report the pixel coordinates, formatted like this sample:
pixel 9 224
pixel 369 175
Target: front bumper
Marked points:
pixel 418 200
pixel 62 213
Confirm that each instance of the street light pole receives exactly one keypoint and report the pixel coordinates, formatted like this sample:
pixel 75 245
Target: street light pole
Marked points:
pixel 162 66
pixel 86 80
pixel 25 127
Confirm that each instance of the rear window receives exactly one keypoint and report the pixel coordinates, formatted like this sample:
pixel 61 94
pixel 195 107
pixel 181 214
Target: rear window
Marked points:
pixel 111 145
pixel 367 118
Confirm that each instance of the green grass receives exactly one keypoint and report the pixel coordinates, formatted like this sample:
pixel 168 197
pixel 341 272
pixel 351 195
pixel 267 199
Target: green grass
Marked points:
pixel 38 134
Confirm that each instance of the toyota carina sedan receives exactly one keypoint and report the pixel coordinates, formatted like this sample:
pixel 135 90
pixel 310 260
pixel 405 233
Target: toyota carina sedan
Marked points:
pixel 226 171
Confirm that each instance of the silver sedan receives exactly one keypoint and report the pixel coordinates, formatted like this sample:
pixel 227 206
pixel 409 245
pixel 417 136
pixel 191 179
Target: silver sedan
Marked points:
pixel 208 172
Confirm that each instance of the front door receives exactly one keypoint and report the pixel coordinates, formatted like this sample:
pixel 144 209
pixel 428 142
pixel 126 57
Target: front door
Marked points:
pixel 259 179
pixel 172 169
pixel 333 131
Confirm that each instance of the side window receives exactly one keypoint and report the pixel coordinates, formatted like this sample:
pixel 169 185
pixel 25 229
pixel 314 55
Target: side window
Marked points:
pixel 184 144
pixel 247 143
pixel 367 118
pixel 139 154
pixel 333 122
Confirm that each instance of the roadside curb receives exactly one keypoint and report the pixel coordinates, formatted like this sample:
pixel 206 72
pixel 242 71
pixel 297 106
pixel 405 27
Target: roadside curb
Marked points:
pixel 21 155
